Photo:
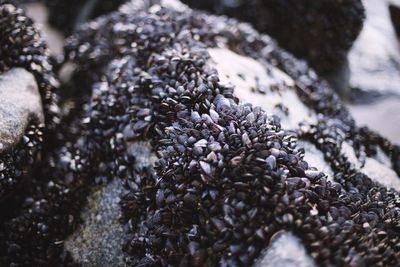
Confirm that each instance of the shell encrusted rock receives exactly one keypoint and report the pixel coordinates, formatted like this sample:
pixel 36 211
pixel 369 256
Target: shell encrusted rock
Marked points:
pixel 228 177
pixel 216 179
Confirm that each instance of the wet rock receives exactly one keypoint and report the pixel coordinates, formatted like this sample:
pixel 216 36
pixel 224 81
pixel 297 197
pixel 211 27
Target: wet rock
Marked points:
pixel 100 238
pixel 375 72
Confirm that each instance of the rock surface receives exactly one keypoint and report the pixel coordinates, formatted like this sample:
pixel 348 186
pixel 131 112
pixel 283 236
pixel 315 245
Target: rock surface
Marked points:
pixel 375 72
pixel 98 241
pixel 375 56
pixel 285 251
pixel 20 105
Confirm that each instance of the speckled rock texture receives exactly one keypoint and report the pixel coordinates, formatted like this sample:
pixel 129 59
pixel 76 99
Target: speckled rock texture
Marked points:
pixel 375 57
pixel 99 240
pixel 285 251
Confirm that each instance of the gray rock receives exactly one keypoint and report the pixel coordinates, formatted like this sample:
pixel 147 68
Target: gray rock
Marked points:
pixel 20 103
pixel 285 250
pixel 98 242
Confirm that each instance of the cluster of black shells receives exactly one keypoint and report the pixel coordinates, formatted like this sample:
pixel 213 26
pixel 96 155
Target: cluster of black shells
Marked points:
pixel 20 46
pixel 34 201
pixel 227 178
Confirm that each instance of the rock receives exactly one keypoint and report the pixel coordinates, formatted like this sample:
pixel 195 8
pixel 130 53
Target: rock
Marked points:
pixel 285 250
pixel 20 105
pixel 375 72
pixel 375 56
pixel 98 241
pixel 218 83
pixel 387 108
pixel 215 173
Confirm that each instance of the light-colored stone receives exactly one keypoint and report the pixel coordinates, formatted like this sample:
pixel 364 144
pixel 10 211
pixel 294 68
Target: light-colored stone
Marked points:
pixel 315 158
pixel 285 250
pixel 20 102
pixel 375 56
pixel 378 169
pixel 247 74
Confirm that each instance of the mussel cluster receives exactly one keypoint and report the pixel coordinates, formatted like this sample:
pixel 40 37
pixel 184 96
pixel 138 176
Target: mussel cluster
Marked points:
pixel 227 175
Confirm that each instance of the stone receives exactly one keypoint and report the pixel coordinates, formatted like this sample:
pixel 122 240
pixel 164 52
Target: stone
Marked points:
pixel 98 241
pixel 375 56
pixel 285 250
pixel 20 105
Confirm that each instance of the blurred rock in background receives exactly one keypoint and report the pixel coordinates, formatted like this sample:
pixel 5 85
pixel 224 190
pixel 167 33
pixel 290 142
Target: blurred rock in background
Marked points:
pixel 321 32
pixel 375 72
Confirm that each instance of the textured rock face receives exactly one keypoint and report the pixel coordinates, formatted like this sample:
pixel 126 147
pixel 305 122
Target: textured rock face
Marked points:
pixel 98 241
pixel 20 105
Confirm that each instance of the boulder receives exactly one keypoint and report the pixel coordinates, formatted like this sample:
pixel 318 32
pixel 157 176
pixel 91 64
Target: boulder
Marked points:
pixel 224 108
